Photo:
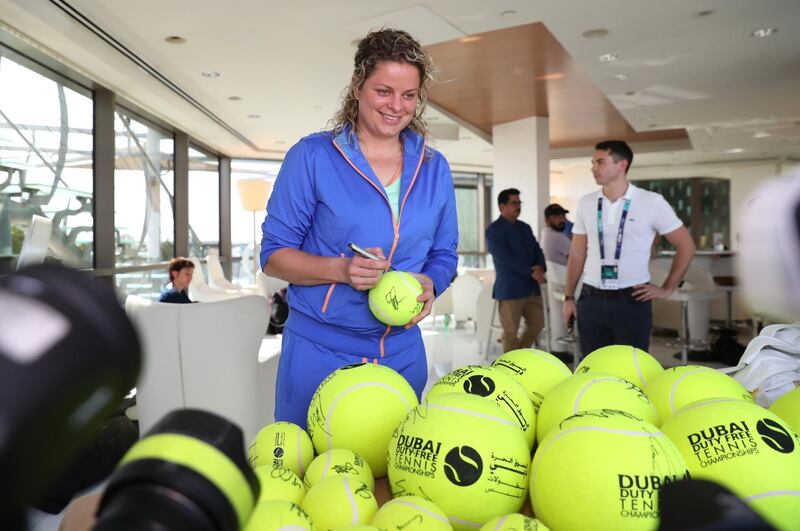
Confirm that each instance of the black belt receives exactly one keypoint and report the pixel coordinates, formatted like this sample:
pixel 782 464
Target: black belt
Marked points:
pixel 607 293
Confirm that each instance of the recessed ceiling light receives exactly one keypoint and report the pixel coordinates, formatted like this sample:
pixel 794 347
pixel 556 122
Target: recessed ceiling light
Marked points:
pixel 704 13
pixel 620 77
pixel 280 141
pixel 471 38
pixel 761 134
pixel 734 150
pixel 508 13
pixel 209 74
pixel 254 116
pixel 652 126
pixel 631 93
pixel 594 33
pixel 608 57
pixel 175 39
pixel 550 77
pixel 764 32
pixel 235 98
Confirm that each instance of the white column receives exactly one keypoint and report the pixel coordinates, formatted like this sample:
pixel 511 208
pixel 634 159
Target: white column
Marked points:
pixel 522 161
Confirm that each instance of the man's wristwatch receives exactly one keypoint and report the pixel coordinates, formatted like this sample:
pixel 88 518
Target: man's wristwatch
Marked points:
pixel 569 297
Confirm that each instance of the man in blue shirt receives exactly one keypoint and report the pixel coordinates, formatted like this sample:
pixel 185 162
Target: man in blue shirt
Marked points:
pixel 519 263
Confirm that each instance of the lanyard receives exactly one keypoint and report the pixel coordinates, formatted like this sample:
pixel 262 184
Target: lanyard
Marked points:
pixel 625 207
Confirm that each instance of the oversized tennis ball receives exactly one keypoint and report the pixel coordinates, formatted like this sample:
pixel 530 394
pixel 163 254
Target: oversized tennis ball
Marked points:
pixel 747 449
pixel 787 407
pixel 358 407
pixel 279 484
pixel 584 392
pixel 682 385
pixel 514 522
pixel 496 385
pixel 393 300
pixel 339 461
pixel 360 527
pixel 464 454
pixel 411 513
pixel 625 361
pixel 339 501
pixel 278 515
pixel 602 470
pixel 536 370
pixel 282 445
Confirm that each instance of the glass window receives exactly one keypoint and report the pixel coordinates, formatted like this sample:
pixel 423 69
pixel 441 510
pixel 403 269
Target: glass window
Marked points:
pixel 203 202
pixel 246 225
pixel 144 186
pixel 45 162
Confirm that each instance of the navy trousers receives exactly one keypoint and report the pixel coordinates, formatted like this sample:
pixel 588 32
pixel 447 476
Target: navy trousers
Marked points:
pixel 618 319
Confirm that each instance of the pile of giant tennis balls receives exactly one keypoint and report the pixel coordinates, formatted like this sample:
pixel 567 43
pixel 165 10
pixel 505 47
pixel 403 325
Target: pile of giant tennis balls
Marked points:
pixel 525 444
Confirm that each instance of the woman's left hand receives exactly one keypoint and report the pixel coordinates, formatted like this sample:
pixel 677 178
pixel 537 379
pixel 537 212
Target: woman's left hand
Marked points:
pixel 426 298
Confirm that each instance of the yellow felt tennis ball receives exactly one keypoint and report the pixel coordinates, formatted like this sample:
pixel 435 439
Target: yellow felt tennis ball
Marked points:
pixel 339 461
pixel 680 386
pixel 279 484
pixel 625 361
pixel 360 527
pixel 393 300
pixel 339 501
pixel 514 522
pixel 282 445
pixel 584 392
pixel 358 407
pixel 787 407
pixel 411 513
pixel 536 370
pixel 747 449
pixel 496 385
pixel 464 454
pixel 602 470
pixel 278 515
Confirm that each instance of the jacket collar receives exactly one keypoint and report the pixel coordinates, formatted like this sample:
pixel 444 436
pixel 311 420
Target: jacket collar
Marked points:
pixel 413 149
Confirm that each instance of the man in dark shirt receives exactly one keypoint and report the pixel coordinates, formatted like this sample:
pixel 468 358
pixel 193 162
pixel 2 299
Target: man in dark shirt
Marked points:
pixel 519 263
pixel 180 275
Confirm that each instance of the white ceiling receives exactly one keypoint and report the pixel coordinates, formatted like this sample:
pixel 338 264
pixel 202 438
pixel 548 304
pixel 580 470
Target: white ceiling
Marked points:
pixel 289 61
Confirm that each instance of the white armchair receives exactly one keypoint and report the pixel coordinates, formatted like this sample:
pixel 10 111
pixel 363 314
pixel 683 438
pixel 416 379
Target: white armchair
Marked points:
pixel 36 242
pixel 217 280
pixel 204 356
pixel 269 285
pixel 200 291
pixel 466 289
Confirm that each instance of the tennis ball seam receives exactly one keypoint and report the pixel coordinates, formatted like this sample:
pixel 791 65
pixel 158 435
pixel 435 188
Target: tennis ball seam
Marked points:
pixel 768 494
pixel 638 368
pixel 353 508
pixel 299 452
pixel 674 390
pixel 584 389
pixel 552 362
pixel 404 280
pixel 421 509
pixel 474 414
pixel 329 412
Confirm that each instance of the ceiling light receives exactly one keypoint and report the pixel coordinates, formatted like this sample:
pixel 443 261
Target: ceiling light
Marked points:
pixel 652 126
pixel 594 33
pixel 235 98
pixel 761 134
pixel 631 93
pixel 620 77
pixel 704 13
pixel 471 38
pixel 209 74
pixel 764 32
pixel 254 116
pixel 550 77
pixel 175 39
pixel 608 57
pixel 508 13
pixel 734 150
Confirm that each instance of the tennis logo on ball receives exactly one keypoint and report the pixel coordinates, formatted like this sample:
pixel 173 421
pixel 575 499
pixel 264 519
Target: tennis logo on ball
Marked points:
pixel 479 385
pixel 393 300
pixel 723 442
pixel 775 436
pixel 463 466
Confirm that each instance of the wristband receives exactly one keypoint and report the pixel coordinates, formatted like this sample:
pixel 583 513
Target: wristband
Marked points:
pixel 569 297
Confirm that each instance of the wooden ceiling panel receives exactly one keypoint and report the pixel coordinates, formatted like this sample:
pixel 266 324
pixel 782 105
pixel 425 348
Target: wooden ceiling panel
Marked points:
pixel 515 73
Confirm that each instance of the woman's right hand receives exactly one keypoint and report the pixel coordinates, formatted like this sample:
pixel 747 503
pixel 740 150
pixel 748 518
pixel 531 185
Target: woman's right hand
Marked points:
pixel 363 273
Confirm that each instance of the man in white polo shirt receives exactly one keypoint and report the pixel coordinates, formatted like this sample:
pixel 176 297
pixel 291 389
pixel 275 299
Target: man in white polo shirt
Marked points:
pixel 611 244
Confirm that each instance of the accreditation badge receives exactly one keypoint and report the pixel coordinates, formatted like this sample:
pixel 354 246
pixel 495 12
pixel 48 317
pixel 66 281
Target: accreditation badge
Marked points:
pixel 609 276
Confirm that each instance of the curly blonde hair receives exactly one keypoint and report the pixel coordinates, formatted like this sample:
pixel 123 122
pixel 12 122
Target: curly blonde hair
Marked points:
pixel 385 45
